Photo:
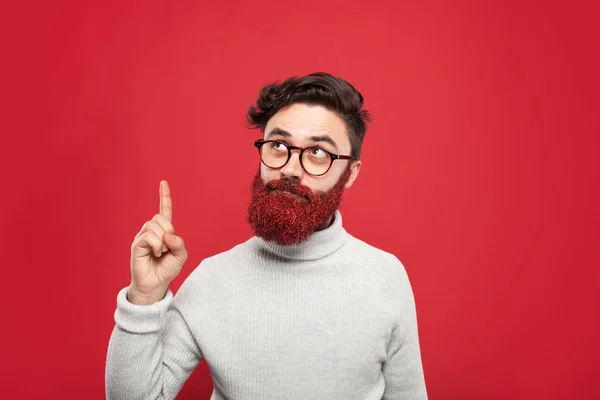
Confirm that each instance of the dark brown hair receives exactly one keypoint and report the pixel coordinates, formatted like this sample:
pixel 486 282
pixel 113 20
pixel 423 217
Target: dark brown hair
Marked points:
pixel 335 94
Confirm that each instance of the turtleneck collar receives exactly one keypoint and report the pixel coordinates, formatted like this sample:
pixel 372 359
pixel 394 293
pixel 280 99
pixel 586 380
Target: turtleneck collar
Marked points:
pixel 320 244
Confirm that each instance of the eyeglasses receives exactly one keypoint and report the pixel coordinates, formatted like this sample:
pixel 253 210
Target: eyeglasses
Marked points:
pixel 314 160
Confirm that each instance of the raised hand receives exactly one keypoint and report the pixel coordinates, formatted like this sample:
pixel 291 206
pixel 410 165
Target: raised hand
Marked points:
pixel 157 254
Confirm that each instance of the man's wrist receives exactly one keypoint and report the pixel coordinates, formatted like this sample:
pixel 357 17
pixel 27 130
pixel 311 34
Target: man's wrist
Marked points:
pixel 134 296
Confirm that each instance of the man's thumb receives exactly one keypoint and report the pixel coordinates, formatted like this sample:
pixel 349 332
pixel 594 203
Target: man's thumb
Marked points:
pixel 175 244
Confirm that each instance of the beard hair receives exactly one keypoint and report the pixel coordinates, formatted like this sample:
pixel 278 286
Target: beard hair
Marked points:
pixel 286 212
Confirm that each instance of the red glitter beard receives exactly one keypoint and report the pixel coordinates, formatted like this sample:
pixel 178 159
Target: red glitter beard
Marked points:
pixel 284 219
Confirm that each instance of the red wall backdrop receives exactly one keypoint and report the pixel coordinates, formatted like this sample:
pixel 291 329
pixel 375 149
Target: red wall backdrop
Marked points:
pixel 480 172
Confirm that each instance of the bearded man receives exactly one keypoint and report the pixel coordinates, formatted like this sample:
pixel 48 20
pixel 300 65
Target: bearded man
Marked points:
pixel 302 310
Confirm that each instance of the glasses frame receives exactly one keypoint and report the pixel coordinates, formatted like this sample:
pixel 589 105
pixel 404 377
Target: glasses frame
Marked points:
pixel 259 143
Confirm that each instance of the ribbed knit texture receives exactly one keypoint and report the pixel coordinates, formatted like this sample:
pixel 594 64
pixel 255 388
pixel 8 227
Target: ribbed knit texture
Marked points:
pixel 330 318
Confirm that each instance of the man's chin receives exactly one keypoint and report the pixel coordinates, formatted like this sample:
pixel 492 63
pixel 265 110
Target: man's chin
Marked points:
pixel 288 213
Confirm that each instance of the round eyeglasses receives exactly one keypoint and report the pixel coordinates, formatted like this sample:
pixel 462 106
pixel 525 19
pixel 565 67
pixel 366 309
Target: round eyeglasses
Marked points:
pixel 314 160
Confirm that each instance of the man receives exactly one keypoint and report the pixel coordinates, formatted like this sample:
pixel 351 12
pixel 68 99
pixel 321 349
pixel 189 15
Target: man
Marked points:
pixel 303 310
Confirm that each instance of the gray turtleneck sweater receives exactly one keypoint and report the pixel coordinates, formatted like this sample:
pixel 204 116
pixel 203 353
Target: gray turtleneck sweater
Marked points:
pixel 330 318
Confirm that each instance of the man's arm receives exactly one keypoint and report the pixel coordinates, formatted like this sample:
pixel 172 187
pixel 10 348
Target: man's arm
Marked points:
pixel 151 351
pixel 403 372
pixel 403 369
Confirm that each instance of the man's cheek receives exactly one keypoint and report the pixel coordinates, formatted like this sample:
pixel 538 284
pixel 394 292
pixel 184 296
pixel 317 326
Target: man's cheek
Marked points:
pixel 267 174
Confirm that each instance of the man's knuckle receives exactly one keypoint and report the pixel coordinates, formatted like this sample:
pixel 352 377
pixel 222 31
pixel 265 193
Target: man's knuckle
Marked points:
pixel 149 236
pixel 153 226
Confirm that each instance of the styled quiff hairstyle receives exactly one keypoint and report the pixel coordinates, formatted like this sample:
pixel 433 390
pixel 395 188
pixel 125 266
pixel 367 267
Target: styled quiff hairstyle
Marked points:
pixel 335 94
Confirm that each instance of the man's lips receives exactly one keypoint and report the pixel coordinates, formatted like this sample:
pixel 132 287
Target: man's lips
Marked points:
pixel 288 193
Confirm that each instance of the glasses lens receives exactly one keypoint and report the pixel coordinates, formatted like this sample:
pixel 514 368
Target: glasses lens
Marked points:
pixel 316 161
pixel 274 154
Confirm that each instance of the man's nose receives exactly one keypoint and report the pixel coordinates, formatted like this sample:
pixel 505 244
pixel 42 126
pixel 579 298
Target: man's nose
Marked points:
pixel 293 169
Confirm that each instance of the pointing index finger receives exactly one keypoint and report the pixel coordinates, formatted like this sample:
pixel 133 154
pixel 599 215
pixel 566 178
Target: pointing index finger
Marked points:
pixel 166 204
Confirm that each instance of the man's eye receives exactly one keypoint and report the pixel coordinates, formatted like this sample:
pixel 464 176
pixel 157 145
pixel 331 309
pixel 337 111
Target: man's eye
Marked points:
pixel 318 153
pixel 279 146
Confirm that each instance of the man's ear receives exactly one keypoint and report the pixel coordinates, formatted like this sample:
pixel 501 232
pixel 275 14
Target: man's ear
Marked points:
pixel 354 170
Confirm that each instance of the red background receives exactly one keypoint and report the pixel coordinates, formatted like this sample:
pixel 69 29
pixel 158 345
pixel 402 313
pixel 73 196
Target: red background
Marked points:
pixel 480 172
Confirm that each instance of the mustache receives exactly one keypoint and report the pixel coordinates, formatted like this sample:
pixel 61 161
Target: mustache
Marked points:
pixel 293 187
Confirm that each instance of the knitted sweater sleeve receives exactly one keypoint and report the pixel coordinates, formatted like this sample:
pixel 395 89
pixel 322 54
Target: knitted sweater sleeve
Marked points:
pixel 403 369
pixel 151 351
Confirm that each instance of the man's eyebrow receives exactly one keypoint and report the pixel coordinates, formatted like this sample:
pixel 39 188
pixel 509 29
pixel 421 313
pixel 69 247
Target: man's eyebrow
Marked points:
pixel 320 138
pixel 326 139
pixel 278 131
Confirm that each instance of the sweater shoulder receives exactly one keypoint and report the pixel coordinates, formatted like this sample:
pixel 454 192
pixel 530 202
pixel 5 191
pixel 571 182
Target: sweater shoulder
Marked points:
pixel 363 251
pixel 232 257
pixel 380 262
pixel 217 273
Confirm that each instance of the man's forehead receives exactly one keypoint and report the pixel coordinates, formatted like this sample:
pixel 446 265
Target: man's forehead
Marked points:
pixel 303 121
